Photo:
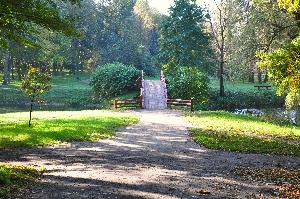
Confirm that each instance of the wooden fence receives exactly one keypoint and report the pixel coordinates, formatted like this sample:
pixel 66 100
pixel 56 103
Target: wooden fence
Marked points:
pixel 174 103
pixel 127 104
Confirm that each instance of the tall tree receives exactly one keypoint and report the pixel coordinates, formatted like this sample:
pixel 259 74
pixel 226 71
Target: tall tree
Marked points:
pixel 16 18
pixel 218 26
pixel 184 41
pixel 283 63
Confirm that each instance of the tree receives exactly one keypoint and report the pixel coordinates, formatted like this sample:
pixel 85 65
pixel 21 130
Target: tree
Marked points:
pixel 218 28
pixel 17 17
pixel 35 83
pixel 254 26
pixel 283 63
pixel 183 40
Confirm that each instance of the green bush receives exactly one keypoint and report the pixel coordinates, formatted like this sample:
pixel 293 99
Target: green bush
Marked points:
pixel 111 80
pixel 188 83
pixel 243 99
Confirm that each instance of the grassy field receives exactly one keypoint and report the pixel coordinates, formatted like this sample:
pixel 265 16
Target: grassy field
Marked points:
pixel 13 177
pixel 65 90
pixel 57 127
pixel 243 133
pixel 236 86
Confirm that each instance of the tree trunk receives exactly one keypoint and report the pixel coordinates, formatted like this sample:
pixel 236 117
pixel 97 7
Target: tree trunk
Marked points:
pixel 12 69
pixel 259 76
pixel 266 79
pixel 251 77
pixel 6 68
pixel 30 112
pixel 222 89
pixel 297 119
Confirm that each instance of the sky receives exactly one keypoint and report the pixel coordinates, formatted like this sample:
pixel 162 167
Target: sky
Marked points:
pixel 163 5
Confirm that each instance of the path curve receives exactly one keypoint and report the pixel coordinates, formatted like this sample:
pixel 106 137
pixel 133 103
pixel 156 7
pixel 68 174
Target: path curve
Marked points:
pixel 153 159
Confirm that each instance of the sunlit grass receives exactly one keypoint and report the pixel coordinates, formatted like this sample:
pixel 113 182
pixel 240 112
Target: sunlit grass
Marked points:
pixel 235 85
pixel 223 130
pixel 13 177
pixel 57 127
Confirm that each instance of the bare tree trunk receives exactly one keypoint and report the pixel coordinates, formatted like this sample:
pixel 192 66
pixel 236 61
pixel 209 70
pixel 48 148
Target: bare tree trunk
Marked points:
pixel 222 52
pixel 222 89
pixel 6 68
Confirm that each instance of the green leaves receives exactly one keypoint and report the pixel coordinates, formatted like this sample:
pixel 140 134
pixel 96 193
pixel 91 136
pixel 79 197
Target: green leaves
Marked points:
pixel 17 18
pixel 283 65
pixel 183 39
pixel 111 80
pixel 36 82
pixel 188 83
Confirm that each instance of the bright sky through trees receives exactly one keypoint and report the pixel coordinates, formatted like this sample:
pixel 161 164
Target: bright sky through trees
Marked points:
pixel 163 5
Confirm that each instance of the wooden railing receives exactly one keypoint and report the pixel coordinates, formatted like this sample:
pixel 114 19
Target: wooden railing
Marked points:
pixel 175 103
pixel 127 104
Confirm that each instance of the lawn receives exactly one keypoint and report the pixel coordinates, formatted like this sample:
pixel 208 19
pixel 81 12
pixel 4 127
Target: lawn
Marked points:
pixel 235 86
pixel 66 90
pixel 58 127
pixel 13 177
pixel 243 133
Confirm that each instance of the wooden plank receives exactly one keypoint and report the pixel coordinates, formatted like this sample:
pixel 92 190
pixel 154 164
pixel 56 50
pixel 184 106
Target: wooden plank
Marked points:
pixel 179 100
pixel 180 104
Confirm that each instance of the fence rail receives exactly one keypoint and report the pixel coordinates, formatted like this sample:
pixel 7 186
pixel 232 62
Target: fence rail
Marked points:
pixel 180 103
pixel 127 104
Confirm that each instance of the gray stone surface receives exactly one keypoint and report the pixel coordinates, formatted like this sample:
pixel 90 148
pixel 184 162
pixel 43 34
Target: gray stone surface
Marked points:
pixel 155 95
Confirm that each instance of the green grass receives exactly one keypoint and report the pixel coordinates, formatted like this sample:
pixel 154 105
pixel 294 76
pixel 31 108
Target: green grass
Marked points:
pixel 227 131
pixel 58 127
pixel 66 90
pixel 13 177
pixel 236 86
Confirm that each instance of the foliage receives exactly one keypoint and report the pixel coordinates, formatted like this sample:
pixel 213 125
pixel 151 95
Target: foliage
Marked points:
pixel 17 19
pixel 283 66
pixel 13 177
pixel 257 26
pixel 289 5
pixel 243 133
pixel 188 83
pixel 287 179
pixel 34 84
pixel 65 126
pixel 238 99
pixel 183 40
pixel 111 80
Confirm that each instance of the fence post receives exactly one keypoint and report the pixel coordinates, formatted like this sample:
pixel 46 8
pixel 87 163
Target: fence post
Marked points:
pixel 192 105
pixel 116 104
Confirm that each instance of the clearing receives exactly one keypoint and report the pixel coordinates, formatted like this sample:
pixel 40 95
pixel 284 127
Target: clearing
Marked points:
pixel 155 158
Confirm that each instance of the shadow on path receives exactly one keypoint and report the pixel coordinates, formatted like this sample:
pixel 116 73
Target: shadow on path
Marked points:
pixel 153 159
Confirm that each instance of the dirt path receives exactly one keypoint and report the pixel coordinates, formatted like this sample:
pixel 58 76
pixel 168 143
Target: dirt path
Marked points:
pixel 153 159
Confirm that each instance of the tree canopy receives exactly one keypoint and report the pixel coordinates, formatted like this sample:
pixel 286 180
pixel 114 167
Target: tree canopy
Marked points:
pixel 18 17
pixel 184 41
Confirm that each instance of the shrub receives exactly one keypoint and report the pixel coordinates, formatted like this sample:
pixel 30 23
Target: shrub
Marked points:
pixel 247 99
pixel 188 83
pixel 111 80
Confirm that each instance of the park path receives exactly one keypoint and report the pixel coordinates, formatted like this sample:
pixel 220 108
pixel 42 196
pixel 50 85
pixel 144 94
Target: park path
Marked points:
pixel 153 159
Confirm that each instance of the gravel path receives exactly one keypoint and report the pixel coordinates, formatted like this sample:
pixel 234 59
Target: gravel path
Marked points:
pixel 153 159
